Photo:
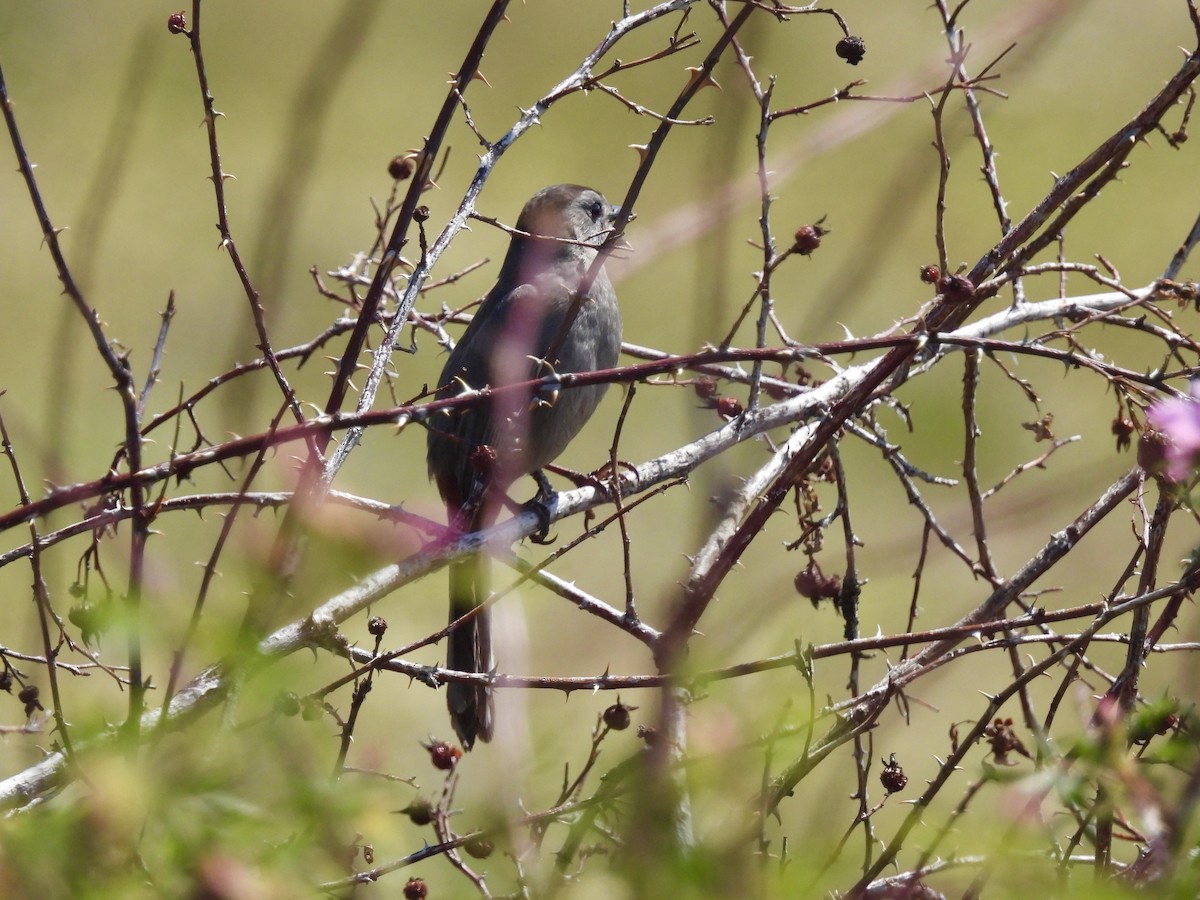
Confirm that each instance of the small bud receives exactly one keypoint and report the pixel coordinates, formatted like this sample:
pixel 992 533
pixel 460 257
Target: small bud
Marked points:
pixel 419 812
pixel 443 756
pixel 377 626
pixel 177 22
pixel 851 48
pixel 931 274
pixel 368 854
pixel 617 717
pixel 414 889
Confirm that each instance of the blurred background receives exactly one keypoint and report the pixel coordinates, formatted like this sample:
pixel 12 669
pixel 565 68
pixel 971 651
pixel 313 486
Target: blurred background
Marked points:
pixel 317 99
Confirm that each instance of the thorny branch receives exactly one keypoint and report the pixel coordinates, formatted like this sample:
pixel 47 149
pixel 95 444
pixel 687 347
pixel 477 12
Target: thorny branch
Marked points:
pixel 809 410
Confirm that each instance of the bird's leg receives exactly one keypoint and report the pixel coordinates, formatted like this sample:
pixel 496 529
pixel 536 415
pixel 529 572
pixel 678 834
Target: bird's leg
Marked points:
pixel 540 507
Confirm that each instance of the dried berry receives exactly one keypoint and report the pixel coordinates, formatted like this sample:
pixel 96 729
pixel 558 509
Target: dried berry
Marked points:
pixel 851 48
pixel 419 812
pixel 310 709
pixel 479 847
pixel 648 735
pixel 729 407
pixel 705 388
pixel 6 681
pixel 29 696
pixel 377 626
pixel 1003 740
pixel 808 238
pixel 814 584
pixel 402 167
pixel 1152 451
pixel 616 716
pixel 414 889
pixel 443 756
pixel 421 213
pixel 892 777
pixel 931 274
pixel 1123 428
pixel 177 22
pixel 90 619
pixel 287 704
pixel 1042 430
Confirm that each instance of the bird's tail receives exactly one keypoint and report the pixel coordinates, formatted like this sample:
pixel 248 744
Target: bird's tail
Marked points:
pixel 470 650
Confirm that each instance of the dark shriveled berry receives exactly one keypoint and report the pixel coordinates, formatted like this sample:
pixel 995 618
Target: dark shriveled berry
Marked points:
pixel 177 22
pixel 443 756
pixel 479 847
pixel 851 48
pixel 808 238
pixel 29 696
pixel 377 626
pixel 648 735
pixel 287 704
pixel 419 812
pixel 892 777
pixel 617 716
pixel 1122 429
pixel 729 407
pixel 401 168
pixel 1152 451
pixel 414 889
pixel 814 584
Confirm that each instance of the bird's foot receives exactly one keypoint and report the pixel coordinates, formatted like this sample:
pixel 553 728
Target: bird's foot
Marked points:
pixel 540 507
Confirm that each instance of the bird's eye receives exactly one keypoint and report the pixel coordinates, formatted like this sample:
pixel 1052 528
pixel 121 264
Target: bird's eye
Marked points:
pixel 595 209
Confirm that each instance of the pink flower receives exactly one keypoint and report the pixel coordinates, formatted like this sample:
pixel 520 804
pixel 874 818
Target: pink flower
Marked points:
pixel 1179 419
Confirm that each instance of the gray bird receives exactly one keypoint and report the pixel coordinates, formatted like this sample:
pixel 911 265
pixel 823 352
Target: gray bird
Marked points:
pixel 476 454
